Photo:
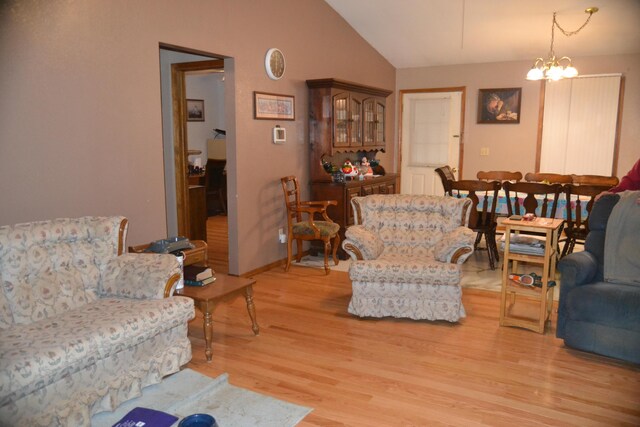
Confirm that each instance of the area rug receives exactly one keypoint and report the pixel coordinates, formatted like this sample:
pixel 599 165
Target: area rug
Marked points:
pixel 318 262
pixel 189 392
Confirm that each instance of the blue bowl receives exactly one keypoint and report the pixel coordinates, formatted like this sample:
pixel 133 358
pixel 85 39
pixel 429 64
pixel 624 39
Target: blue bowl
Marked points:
pixel 198 420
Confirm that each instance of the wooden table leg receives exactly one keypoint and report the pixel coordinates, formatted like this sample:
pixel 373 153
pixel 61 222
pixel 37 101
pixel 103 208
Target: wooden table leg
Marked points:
pixel 208 329
pixel 248 295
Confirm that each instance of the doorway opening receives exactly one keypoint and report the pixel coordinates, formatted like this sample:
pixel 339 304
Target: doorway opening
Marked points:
pixel 432 123
pixel 194 80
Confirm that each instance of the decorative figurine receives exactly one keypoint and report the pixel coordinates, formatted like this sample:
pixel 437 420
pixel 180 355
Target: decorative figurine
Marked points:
pixel 366 167
pixel 349 169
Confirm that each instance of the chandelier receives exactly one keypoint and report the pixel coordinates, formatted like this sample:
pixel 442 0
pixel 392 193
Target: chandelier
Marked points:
pixel 552 68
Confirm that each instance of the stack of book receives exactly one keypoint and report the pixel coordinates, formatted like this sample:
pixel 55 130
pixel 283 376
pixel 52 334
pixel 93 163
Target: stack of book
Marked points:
pixel 198 276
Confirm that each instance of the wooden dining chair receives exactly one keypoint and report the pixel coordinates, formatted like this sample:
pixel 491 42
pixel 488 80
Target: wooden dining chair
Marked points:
pixel 534 198
pixel 523 198
pixel 577 225
pixel 309 229
pixel 548 178
pixel 482 219
pixel 609 181
pixel 447 176
pixel 499 176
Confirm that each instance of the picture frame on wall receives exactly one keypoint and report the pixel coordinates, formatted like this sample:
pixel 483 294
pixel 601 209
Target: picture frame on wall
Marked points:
pixel 272 106
pixel 195 110
pixel 499 106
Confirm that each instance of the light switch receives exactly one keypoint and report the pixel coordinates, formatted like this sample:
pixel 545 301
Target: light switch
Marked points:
pixel 484 151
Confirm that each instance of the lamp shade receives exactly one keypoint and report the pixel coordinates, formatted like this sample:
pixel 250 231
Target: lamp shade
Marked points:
pixel 569 72
pixel 535 74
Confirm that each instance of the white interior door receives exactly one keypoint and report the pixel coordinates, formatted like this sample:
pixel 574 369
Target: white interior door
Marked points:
pixel 430 139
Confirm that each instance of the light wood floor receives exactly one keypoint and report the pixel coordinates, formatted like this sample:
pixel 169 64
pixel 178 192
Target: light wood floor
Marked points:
pixel 392 372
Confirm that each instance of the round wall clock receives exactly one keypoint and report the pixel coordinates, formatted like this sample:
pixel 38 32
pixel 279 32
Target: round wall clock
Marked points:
pixel 274 64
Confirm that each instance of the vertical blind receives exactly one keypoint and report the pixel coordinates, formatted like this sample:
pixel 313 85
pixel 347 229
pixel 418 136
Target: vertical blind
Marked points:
pixel 579 125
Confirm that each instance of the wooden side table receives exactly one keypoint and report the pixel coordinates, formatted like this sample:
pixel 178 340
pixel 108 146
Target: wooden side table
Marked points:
pixel 544 295
pixel 199 255
pixel 224 288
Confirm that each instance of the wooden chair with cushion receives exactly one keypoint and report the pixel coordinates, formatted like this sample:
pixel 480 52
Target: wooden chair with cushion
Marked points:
pixel 609 181
pixel 548 178
pixel 499 176
pixel 482 219
pixel 577 225
pixel 309 229
pixel 447 176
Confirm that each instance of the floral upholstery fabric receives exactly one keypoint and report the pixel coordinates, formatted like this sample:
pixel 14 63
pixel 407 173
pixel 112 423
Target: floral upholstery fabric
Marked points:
pixel 408 300
pixel 81 328
pixel 418 241
pixel 451 243
pixel 369 244
pixel 326 228
pixel 138 275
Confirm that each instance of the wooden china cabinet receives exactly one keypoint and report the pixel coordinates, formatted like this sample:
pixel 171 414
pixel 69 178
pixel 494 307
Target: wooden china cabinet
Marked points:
pixel 346 121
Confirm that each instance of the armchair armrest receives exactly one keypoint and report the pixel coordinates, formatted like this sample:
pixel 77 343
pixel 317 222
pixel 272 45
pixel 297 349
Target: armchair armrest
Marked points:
pixel 455 247
pixel 576 269
pixel 361 243
pixel 140 276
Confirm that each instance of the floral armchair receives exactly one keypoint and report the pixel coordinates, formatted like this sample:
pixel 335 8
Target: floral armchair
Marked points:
pixel 83 327
pixel 406 254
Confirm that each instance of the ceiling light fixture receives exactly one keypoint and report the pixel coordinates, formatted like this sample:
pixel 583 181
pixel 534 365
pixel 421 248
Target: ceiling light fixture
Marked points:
pixel 550 68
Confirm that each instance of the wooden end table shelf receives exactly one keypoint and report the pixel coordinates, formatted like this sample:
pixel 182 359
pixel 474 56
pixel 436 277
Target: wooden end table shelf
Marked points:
pixel 544 295
pixel 199 255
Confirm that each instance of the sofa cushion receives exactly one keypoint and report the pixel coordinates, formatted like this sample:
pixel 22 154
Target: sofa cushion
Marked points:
pixel 50 267
pixel 37 354
pixel 405 268
pixel 608 304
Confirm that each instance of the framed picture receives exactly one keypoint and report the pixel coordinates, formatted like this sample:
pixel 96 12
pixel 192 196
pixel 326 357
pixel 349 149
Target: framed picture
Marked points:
pixel 499 105
pixel 271 106
pixel 195 110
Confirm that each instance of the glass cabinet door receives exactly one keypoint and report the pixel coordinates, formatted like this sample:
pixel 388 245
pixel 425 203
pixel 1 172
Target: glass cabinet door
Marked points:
pixel 355 123
pixel 369 121
pixel 379 119
pixel 341 121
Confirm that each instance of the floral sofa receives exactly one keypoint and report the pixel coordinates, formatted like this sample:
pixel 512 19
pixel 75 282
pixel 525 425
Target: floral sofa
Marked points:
pixel 83 327
pixel 406 253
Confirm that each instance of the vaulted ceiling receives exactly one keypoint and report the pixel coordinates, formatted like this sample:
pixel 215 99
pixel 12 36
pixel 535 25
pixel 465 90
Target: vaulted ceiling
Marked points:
pixel 419 33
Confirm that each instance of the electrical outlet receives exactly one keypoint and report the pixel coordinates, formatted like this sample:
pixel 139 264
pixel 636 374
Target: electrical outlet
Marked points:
pixel 484 151
pixel 282 236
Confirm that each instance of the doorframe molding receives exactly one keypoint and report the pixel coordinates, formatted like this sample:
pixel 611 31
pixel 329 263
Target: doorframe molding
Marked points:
pixel 180 143
pixel 463 91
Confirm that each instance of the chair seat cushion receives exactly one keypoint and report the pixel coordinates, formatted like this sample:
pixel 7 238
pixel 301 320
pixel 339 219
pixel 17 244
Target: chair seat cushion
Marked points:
pixel 405 268
pixel 327 229
pixel 608 304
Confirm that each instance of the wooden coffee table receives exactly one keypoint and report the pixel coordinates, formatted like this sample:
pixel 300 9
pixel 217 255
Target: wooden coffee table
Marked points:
pixel 224 288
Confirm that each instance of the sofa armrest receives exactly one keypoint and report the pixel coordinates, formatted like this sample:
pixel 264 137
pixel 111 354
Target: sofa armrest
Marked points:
pixel 576 269
pixel 361 243
pixel 455 247
pixel 140 276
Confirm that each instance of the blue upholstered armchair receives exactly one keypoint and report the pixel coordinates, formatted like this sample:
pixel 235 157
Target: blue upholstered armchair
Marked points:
pixel 595 313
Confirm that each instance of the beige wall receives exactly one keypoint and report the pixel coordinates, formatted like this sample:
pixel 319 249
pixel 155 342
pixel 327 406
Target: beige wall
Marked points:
pixel 513 147
pixel 80 111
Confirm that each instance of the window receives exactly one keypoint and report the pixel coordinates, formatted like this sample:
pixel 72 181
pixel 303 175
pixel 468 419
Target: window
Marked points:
pixel 579 125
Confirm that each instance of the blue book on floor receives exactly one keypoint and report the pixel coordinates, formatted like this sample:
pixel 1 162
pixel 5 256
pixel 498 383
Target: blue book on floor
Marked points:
pixel 145 417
